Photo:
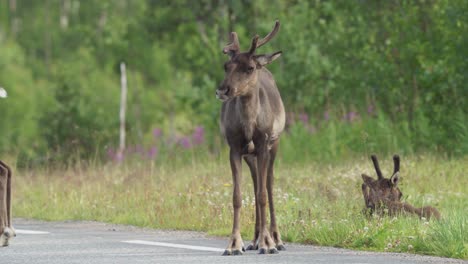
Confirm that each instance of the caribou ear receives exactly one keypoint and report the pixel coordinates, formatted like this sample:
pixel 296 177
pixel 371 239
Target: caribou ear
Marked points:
pixel 395 179
pixel 265 59
pixel 367 179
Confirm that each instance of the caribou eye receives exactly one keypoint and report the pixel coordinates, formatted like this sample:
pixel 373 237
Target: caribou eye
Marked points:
pixel 250 69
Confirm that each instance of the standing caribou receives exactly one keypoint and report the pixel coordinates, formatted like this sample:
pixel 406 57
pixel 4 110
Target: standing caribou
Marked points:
pixel 6 229
pixel 252 120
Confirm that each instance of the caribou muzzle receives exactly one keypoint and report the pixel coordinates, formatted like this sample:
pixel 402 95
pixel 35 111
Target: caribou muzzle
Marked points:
pixel 223 92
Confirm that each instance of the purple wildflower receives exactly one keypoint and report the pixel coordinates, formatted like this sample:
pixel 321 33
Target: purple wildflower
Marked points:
pixel 326 116
pixel 304 117
pixel 198 136
pixel 352 116
pixel 371 110
pixel 185 143
pixel 152 152
pixel 157 132
pixel 119 157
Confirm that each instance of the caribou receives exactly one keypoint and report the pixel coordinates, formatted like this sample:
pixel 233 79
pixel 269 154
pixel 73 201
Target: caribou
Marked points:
pixel 252 120
pixel 6 229
pixel 383 196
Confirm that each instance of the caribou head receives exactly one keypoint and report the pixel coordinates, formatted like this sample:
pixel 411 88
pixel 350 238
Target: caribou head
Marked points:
pixel 241 70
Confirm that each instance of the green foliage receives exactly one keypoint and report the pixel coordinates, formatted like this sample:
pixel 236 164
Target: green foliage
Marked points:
pixel 340 137
pixel 77 121
pixel 20 111
pixel 398 65
pixel 448 237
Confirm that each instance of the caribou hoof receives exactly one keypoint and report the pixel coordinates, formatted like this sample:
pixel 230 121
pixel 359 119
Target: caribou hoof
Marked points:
pixel 268 251
pixel 6 235
pixel 8 232
pixel 227 252
pixel 252 247
pixel 281 247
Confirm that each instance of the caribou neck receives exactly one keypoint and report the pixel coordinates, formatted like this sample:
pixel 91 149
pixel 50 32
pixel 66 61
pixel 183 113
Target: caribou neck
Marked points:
pixel 248 107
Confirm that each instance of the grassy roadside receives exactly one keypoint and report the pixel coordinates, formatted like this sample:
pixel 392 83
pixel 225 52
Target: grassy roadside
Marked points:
pixel 316 203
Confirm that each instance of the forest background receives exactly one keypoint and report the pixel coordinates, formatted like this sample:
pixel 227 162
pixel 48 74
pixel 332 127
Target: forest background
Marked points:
pixel 356 76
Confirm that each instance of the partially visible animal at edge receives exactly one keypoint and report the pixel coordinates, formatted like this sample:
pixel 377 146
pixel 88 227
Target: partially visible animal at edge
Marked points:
pixel 6 228
pixel 382 196
pixel 252 120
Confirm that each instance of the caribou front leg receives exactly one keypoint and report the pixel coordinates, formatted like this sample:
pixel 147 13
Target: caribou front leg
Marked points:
pixel 235 246
pixel 10 223
pixel 6 230
pixel 266 243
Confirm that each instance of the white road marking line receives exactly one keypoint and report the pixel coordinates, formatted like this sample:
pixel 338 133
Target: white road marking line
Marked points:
pixel 162 244
pixel 30 232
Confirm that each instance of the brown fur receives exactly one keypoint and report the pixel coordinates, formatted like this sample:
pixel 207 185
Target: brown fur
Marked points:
pixel 252 120
pixel 6 228
pixel 383 195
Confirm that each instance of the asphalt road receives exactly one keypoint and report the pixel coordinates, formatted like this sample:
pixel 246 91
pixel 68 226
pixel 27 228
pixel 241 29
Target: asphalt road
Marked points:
pixel 92 242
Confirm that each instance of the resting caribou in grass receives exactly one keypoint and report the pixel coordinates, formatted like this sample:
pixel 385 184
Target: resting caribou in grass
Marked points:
pixel 6 229
pixel 252 120
pixel 383 195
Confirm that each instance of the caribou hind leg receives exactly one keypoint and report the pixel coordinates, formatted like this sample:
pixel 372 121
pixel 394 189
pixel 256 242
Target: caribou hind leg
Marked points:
pixel 275 234
pixel 252 163
pixel 266 243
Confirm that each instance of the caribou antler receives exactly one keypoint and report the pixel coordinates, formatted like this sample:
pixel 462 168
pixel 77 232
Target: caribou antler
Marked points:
pixel 232 48
pixel 258 43
pixel 263 41
pixel 377 167
pixel 253 47
pixel 396 164
pixel 270 35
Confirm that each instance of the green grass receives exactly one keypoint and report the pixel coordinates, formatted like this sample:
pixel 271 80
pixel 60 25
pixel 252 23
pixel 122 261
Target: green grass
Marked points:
pixel 317 203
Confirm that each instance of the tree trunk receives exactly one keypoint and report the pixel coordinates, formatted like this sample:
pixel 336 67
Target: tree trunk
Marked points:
pixel 123 100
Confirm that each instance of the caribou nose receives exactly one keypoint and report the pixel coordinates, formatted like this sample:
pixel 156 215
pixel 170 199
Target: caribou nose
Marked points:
pixel 223 90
